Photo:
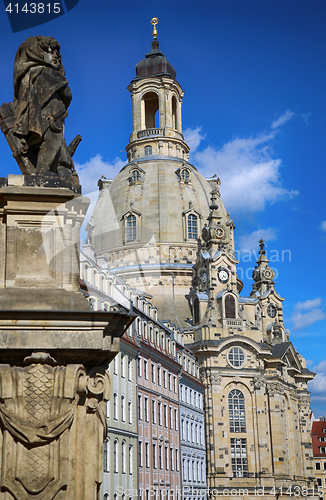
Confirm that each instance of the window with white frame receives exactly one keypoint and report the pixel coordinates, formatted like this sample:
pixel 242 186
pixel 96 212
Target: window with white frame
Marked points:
pixel 123 457
pixel 115 406
pixel 192 227
pixel 140 453
pixel 140 408
pixel 130 412
pixel 239 457
pixel 129 369
pixel 123 409
pixel 115 456
pixel 236 357
pixel 131 451
pixel 153 411
pixel 147 455
pixel 237 417
pixel 154 457
pixel 131 228
pixel 106 455
pixel 146 409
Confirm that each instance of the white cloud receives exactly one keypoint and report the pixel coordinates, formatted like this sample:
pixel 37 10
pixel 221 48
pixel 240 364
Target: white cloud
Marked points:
pixel 323 225
pixel 249 242
pixel 308 304
pixel 89 174
pixel 194 136
pixel 288 115
pixel 91 171
pixel 306 319
pixel 250 176
pixel 317 386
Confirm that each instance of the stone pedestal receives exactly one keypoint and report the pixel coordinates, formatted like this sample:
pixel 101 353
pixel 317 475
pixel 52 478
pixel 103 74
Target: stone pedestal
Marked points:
pixel 54 351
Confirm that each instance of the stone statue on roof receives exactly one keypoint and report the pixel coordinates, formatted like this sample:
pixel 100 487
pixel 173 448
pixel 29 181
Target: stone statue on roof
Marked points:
pixel 34 122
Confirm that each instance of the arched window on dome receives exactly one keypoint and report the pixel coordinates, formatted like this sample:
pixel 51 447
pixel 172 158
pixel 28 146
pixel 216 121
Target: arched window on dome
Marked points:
pixel 237 418
pixel 149 111
pixel 148 150
pixel 192 227
pixel 229 305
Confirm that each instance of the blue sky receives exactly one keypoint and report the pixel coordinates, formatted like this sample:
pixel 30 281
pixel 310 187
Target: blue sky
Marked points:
pixel 254 75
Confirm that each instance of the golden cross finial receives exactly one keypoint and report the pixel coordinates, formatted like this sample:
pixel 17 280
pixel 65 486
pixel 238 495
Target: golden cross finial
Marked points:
pixel 154 22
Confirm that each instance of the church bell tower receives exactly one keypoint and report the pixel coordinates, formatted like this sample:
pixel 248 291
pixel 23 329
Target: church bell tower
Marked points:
pixel 156 108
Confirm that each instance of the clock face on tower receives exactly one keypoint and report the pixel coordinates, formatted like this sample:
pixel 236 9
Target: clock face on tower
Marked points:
pixel 271 311
pixel 219 232
pixel 223 275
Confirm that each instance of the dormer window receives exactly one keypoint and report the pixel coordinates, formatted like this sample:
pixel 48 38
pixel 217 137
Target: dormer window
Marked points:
pixel 131 226
pixel 185 174
pixel 191 223
pixel 148 150
pixel 135 175
pixel 192 227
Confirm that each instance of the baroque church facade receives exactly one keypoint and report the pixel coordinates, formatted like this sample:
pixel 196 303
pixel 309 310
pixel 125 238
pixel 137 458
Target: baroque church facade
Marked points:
pixel 162 228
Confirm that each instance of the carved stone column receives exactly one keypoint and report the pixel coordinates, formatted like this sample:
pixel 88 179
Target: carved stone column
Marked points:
pixel 54 351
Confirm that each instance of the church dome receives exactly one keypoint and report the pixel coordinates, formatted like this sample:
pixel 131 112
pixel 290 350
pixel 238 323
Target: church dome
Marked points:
pixel 155 63
pixel 161 194
pixel 148 221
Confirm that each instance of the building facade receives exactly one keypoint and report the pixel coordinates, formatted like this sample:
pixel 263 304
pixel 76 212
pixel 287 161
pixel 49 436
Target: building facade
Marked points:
pixel 192 428
pixel 161 227
pixel 319 451
pixel 143 448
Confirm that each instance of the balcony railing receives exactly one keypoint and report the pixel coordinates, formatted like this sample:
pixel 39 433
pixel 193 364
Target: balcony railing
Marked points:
pixel 149 132
pixel 233 322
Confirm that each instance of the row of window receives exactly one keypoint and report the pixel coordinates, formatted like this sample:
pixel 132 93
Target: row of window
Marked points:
pixel 229 308
pixel 193 470
pixel 165 457
pixel 191 397
pixel 162 414
pixel 120 458
pixel 122 409
pixel 125 366
pixel 157 374
pixel 132 228
pixel 318 466
pixel 156 337
pixel 162 457
pixel 193 433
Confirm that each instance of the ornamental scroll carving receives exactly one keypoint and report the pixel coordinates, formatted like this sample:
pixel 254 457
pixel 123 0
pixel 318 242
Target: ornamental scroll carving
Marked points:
pixel 274 388
pixel 258 383
pixel 38 406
